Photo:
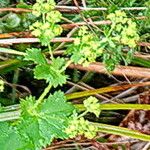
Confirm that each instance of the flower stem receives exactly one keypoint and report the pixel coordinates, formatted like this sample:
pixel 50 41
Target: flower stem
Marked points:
pixel 66 65
pixel 50 51
pixel 47 89
pixel 83 114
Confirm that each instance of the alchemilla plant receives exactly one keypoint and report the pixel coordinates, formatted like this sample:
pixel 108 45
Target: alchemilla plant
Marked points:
pixel 122 34
pixel 48 117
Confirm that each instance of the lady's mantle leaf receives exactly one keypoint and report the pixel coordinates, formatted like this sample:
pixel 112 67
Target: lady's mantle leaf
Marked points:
pixel 10 138
pixel 51 72
pixel 35 55
pixel 39 125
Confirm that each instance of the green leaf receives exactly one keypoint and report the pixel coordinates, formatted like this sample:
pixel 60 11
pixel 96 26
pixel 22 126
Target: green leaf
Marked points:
pixel 30 129
pixel 48 120
pixel 23 5
pixel 51 72
pixel 37 126
pixel 34 54
pixel 56 103
pixel 9 137
pixel 57 63
pixel 12 21
pixel 42 72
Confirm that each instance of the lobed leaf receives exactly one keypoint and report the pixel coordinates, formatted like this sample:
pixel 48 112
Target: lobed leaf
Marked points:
pixel 37 126
pixel 35 55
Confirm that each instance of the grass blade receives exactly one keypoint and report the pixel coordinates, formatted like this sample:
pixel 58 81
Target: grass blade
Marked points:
pixel 104 90
pixel 110 129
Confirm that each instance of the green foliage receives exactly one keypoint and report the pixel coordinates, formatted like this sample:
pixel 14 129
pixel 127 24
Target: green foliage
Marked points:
pixel 12 20
pixel 78 125
pixel 144 25
pixel 43 7
pixel 46 29
pixel 44 119
pixel 9 22
pixel 120 35
pixel 35 55
pixel 23 5
pixel 124 29
pixel 50 72
pixel 85 49
pixel 14 139
pixel 38 125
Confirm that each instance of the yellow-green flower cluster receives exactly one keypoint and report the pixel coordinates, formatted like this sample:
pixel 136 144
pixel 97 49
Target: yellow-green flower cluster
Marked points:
pixel 129 34
pixel 124 30
pixel 80 126
pixel 42 6
pixel 118 17
pixel 1 85
pixel 85 49
pixel 46 29
pixel 92 105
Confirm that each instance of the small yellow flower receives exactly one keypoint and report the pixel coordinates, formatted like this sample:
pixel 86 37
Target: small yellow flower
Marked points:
pixel 36 32
pixel 77 41
pixel 120 13
pixel 45 26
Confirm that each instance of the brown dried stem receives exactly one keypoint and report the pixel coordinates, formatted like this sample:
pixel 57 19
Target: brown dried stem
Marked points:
pixel 120 70
pixel 71 9
pixel 59 39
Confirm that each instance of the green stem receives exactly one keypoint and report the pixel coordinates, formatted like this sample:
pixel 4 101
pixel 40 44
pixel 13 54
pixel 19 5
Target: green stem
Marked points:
pixel 110 129
pixel 66 65
pixel 50 51
pixel 110 31
pixel 47 89
pixel 43 17
pixel 10 108
pixel 124 106
pixel 83 114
